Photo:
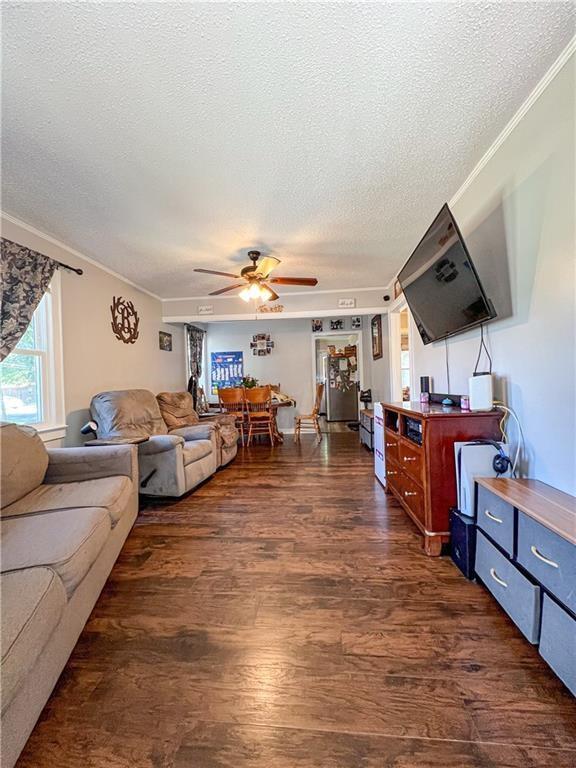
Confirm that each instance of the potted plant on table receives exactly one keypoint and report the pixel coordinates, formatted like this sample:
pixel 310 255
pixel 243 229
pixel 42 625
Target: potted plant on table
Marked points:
pixel 249 382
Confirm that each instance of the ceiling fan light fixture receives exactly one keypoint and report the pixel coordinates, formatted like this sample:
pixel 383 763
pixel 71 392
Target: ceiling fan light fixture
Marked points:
pixel 265 293
pixel 245 293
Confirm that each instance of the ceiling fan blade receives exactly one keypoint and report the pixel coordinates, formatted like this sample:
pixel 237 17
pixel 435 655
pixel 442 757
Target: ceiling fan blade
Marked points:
pixel 266 265
pixel 272 291
pixel 213 272
pixel 294 280
pixel 224 290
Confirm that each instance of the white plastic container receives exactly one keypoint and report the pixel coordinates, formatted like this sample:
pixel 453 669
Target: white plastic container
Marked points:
pixel 481 392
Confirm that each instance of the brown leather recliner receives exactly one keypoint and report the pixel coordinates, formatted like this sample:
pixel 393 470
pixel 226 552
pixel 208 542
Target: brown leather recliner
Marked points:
pixel 177 409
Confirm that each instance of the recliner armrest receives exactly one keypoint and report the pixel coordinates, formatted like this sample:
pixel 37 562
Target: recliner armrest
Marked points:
pixel 70 465
pixel 159 444
pixel 197 432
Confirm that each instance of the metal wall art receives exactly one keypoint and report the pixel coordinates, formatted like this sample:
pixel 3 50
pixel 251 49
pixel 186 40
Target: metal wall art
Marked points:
pixel 125 320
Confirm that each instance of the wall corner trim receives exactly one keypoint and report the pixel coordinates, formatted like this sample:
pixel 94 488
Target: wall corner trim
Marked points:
pixel 59 244
pixel 556 67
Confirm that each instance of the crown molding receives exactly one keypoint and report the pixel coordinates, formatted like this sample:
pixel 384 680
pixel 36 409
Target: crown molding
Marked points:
pixel 556 67
pixel 73 252
pixel 289 293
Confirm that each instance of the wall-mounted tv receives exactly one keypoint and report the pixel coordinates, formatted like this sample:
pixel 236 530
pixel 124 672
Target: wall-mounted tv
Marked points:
pixel 441 285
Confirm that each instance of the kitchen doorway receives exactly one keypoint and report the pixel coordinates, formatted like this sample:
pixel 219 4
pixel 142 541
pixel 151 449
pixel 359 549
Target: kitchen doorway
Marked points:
pixel 337 362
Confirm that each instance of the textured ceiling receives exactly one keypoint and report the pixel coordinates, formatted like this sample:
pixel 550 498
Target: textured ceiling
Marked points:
pixel 156 137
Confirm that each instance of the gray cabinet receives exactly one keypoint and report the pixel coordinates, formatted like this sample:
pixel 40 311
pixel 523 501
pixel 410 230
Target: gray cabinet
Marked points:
pixel 526 557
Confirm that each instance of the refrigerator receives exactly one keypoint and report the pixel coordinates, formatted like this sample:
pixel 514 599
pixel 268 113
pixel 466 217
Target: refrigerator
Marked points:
pixel 379 460
pixel 341 390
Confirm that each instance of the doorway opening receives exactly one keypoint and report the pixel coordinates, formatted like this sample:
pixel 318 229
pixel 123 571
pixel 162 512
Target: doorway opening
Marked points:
pixel 405 354
pixel 337 364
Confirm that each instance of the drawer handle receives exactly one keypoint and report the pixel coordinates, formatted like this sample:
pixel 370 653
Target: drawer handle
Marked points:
pixel 390 445
pixel 540 556
pixel 391 472
pixel 490 516
pixel 410 493
pixel 408 458
pixel 497 578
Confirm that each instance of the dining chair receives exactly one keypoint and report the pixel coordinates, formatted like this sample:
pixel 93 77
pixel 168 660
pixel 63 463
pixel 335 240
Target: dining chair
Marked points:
pixel 313 418
pixel 259 411
pixel 231 400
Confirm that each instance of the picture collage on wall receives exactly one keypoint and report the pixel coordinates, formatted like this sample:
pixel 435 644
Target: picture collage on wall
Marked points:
pixel 261 344
pixel 340 324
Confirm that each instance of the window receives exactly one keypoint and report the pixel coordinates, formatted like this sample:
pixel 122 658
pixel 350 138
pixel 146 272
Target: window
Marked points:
pixel 31 375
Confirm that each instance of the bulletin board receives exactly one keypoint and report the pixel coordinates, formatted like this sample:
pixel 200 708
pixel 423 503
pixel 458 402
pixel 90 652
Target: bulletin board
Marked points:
pixel 226 370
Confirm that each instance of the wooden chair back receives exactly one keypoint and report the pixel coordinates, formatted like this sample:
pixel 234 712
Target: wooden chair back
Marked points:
pixel 231 399
pixel 258 399
pixel 318 398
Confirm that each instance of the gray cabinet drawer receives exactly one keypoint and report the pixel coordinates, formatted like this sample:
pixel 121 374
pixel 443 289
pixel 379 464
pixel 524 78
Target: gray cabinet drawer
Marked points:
pixel 558 642
pixel 496 517
pixel 514 591
pixel 549 558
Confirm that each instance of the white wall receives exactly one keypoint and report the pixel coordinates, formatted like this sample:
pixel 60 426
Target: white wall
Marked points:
pixel 377 372
pixel 94 360
pixel 290 364
pixel 518 217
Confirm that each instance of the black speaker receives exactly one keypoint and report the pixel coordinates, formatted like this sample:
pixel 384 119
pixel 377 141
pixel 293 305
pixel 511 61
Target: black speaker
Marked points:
pixel 424 383
pixel 463 542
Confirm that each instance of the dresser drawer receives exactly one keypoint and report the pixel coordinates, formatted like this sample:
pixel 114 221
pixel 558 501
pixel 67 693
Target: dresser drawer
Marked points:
pixel 413 496
pixel 391 446
pixel 496 517
pixel 410 460
pixel 393 475
pixel 549 558
pixel 558 642
pixel 514 591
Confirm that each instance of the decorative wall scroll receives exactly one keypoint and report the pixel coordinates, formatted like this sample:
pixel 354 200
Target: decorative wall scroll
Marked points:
pixel 226 370
pixel 265 308
pixel 261 344
pixel 125 320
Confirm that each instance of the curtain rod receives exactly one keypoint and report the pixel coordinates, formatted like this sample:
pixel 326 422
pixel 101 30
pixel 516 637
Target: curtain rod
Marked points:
pixel 72 269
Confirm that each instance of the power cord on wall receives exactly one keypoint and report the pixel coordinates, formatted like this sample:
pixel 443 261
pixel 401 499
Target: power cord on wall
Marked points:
pixel 521 441
pixel 483 346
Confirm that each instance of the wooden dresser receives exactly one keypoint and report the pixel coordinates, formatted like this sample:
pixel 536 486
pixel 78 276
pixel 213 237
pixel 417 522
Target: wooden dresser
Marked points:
pixel 420 471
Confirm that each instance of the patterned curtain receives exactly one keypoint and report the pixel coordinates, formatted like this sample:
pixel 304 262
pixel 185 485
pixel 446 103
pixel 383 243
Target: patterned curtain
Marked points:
pixel 195 347
pixel 24 278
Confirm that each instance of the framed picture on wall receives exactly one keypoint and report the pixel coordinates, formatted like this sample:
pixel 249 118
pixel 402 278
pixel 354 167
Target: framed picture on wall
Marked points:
pixel 376 328
pixel 397 289
pixel 356 322
pixel 165 341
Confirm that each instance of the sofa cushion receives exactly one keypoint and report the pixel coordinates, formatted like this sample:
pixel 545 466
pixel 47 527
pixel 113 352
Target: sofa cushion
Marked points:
pixel 32 603
pixel 68 540
pixel 177 409
pixel 24 462
pixel 196 450
pixel 127 413
pixel 112 493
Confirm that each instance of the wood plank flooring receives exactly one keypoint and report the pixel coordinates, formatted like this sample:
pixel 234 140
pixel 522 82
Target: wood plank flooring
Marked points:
pixel 284 616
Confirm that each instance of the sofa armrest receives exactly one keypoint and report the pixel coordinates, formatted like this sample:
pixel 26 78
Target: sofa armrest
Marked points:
pixel 159 444
pixel 69 465
pixel 197 432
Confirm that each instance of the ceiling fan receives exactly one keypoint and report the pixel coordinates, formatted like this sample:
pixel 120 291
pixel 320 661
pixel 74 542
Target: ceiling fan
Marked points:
pixel 254 276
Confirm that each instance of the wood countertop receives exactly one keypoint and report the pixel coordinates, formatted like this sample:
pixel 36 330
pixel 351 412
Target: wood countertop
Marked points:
pixel 549 506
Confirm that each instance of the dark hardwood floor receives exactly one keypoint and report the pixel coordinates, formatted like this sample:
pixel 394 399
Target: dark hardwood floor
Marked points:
pixel 284 616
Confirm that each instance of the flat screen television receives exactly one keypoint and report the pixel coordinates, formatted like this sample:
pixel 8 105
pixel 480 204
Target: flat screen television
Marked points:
pixel 440 284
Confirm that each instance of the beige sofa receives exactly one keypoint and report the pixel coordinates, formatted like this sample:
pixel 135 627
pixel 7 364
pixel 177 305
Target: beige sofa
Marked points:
pixel 171 461
pixel 65 514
